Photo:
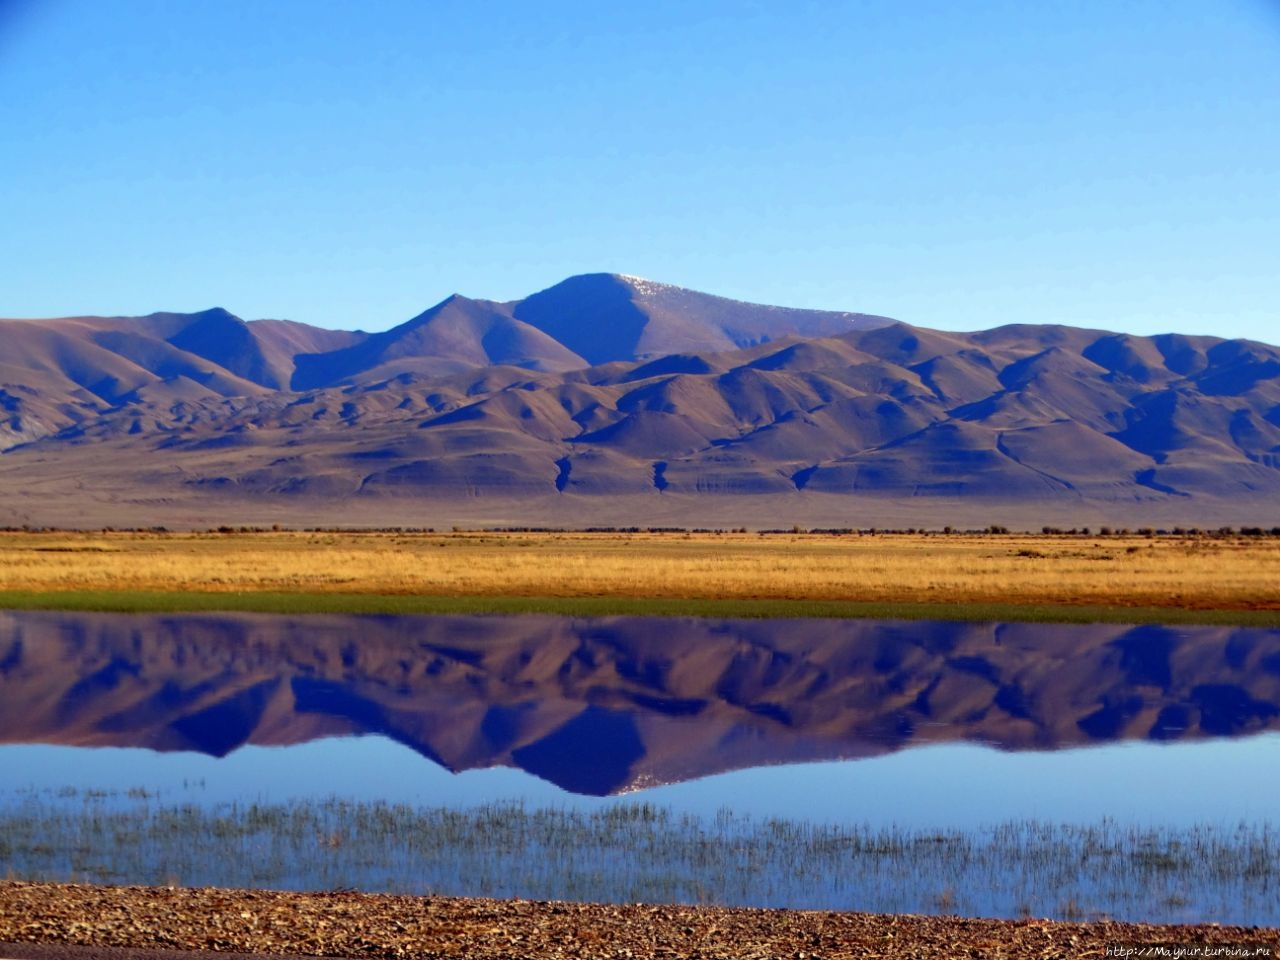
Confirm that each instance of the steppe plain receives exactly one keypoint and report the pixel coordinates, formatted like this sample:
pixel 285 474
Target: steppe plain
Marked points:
pixel 1170 577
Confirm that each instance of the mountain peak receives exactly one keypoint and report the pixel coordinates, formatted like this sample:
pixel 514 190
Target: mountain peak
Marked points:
pixel 215 313
pixel 620 316
pixel 175 320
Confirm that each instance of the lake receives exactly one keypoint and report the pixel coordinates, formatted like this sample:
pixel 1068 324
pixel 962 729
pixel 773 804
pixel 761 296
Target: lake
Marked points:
pixel 981 768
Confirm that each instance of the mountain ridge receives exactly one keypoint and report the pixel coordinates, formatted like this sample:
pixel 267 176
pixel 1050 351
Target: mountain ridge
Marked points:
pixel 477 412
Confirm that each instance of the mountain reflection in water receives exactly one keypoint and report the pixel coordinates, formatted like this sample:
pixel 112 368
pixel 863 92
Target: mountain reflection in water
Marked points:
pixel 602 706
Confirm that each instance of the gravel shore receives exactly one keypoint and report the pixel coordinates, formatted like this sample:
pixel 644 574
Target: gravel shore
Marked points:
pixel 347 924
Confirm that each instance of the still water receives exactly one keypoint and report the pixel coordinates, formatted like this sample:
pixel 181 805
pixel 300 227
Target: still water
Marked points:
pixel 905 729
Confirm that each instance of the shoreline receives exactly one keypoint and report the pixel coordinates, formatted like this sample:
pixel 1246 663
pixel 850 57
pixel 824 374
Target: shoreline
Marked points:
pixel 389 604
pixel 345 923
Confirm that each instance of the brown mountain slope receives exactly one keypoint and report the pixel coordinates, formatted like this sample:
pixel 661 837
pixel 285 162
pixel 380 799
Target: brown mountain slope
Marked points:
pixel 456 334
pixel 56 375
pixel 1055 429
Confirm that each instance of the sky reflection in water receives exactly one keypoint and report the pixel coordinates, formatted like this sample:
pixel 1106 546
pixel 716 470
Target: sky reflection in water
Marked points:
pixel 1220 782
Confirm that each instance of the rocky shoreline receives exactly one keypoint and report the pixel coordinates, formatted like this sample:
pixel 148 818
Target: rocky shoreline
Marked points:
pixel 349 924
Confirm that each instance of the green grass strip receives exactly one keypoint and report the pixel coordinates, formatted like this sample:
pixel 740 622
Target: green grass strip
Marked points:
pixel 129 601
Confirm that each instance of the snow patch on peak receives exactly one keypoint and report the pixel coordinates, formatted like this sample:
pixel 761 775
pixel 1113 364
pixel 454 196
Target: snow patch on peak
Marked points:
pixel 642 286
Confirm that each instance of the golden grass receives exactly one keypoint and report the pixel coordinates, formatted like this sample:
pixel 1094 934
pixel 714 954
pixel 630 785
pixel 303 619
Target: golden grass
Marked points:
pixel 1237 573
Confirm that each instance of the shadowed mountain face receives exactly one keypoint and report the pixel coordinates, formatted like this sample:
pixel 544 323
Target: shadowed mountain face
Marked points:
pixel 693 401
pixel 604 706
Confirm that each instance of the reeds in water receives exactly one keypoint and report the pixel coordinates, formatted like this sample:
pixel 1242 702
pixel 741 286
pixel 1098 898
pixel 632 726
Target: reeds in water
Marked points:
pixel 640 852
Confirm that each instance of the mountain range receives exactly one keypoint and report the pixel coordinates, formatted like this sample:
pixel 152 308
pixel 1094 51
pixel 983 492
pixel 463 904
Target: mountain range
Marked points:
pixel 612 399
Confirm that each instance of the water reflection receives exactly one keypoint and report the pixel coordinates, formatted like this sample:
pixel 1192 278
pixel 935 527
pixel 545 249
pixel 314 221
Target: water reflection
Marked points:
pixel 601 706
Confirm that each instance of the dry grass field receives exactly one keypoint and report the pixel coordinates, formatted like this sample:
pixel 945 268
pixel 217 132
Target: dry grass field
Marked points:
pixel 1186 572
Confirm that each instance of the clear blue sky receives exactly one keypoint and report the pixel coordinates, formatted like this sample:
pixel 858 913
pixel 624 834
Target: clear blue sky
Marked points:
pixel 952 163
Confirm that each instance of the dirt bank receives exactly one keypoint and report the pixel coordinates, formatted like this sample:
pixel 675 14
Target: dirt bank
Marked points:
pixel 360 925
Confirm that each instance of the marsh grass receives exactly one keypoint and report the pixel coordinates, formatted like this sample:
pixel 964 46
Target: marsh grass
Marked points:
pixel 1008 577
pixel 636 851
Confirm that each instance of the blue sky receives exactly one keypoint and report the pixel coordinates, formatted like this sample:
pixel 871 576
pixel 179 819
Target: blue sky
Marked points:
pixel 953 164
